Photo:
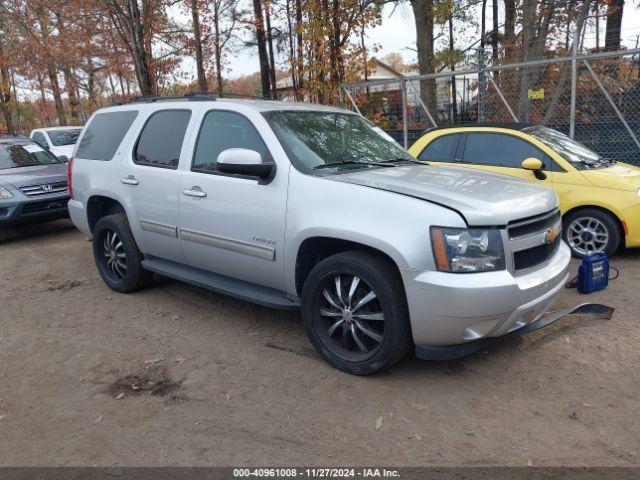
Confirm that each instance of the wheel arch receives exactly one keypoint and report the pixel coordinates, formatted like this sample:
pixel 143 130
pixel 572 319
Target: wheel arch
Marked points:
pixel 99 206
pixel 621 229
pixel 314 249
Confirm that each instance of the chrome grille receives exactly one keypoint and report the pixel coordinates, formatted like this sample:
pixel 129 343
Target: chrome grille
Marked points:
pixel 534 240
pixel 44 189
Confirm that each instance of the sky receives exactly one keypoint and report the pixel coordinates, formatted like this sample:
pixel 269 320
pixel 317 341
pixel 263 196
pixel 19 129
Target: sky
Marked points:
pixel 397 34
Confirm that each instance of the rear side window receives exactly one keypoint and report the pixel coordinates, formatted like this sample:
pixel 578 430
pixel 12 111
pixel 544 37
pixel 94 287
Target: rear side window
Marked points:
pixel 222 130
pixel 104 135
pixel 38 137
pixel 441 149
pixel 499 150
pixel 161 139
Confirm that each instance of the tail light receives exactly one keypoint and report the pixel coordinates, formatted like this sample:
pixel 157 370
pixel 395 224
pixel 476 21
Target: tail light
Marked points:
pixel 69 176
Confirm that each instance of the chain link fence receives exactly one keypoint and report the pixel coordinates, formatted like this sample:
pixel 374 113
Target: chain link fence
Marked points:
pixel 594 98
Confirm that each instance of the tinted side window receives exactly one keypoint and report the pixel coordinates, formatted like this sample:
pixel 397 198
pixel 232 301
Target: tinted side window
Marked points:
pixel 104 134
pixel 161 139
pixel 441 149
pixel 38 137
pixel 500 150
pixel 221 130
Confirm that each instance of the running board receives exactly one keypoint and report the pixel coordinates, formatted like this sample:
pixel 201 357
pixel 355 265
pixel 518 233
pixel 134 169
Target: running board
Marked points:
pixel 250 292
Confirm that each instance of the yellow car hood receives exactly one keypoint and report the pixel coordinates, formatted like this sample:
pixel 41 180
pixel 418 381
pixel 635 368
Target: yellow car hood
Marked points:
pixel 620 176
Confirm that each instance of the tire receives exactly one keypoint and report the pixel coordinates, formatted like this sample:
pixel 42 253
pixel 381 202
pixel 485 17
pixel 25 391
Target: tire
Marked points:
pixel 117 256
pixel 381 323
pixel 591 230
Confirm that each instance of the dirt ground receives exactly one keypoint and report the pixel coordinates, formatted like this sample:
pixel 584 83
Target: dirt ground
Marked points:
pixel 177 375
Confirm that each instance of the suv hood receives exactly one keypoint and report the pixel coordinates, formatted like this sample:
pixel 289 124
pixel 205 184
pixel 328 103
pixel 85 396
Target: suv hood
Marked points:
pixel 23 176
pixel 482 198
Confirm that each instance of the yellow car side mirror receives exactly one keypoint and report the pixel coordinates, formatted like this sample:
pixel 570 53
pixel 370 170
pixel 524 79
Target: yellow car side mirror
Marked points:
pixel 535 165
pixel 532 164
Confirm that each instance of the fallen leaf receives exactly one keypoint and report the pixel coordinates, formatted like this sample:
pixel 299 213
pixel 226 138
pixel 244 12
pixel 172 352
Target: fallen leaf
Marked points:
pixel 98 419
pixel 417 436
pixel 420 406
pixel 379 423
pixel 585 404
pixel 121 395
pixel 567 339
pixel 529 462
pixel 227 396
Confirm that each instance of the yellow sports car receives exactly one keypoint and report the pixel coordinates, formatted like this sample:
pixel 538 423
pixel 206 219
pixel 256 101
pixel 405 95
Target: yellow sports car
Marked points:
pixel 599 198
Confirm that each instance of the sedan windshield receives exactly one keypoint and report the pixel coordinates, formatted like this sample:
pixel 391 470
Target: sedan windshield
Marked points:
pixel 324 140
pixel 27 155
pixel 580 156
pixel 64 137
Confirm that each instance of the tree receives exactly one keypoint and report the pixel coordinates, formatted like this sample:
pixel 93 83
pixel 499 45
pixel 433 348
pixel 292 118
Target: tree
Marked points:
pixel 614 25
pixel 132 22
pixel 423 12
pixel 258 22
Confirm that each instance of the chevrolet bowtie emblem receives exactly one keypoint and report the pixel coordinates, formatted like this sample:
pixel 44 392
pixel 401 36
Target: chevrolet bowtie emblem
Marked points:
pixel 551 235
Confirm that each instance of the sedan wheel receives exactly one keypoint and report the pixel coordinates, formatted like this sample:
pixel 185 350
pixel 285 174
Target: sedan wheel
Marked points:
pixel 591 230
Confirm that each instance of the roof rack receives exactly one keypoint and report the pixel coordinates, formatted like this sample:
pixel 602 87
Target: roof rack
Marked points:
pixel 191 96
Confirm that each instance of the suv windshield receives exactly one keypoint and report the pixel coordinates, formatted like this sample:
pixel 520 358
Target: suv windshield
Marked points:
pixel 316 140
pixel 26 155
pixel 580 156
pixel 64 137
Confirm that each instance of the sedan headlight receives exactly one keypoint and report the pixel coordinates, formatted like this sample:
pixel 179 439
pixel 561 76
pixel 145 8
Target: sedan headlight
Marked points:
pixel 5 194
pixel 462 250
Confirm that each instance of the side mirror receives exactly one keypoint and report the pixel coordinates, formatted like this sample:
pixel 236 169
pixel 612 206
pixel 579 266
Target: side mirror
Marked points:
pixel 63 158
pixel 242 161
pixel 535 165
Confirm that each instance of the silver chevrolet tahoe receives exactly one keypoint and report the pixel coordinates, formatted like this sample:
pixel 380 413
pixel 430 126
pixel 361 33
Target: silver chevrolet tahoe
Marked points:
pixel 313 208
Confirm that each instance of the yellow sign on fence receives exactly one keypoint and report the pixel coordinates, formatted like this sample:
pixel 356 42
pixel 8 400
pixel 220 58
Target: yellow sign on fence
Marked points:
pixel 536 94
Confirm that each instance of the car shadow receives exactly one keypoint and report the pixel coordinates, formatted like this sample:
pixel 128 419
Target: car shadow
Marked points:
pixel 35 230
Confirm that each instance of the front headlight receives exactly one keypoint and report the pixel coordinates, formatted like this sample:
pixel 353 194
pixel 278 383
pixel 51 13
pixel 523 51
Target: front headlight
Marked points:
pixel 5 194
pixel 462 250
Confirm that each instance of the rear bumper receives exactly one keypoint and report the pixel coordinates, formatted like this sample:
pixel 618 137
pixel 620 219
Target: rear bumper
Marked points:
pixel 453 309
pixel 20 212
pixel 79 217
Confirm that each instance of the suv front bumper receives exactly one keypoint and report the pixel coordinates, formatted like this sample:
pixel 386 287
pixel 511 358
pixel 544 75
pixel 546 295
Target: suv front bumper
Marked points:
pixel 452 309
pixel 21 211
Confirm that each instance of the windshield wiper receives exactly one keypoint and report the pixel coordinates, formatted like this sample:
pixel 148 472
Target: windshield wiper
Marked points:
pixel 353 162
pixel 411 160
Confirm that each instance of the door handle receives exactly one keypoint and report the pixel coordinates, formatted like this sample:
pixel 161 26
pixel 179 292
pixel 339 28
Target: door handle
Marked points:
pixel 195 192
pixel 130 180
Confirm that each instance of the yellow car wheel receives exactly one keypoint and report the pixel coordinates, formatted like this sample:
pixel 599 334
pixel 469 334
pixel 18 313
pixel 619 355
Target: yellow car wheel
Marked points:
pixel 589 230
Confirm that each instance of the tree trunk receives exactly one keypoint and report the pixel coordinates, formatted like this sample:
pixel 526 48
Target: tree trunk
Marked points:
pixel 70 87
pixel 55 90
pixel 454 93
pixel 534 35
pixel 614 25
pixel 423 13
pixel 495 33
pixel 216 46
pixel 509 30
pixel 197 40
pixel 272 64
pixel 300 58
pixel 5 86
pixel 262 48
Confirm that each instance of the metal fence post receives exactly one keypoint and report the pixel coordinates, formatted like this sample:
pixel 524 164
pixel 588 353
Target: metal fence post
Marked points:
pixel 405 119
pixel 574 86
pixel 481 84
